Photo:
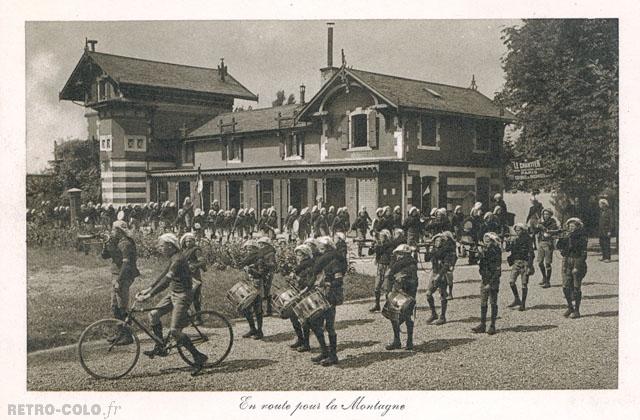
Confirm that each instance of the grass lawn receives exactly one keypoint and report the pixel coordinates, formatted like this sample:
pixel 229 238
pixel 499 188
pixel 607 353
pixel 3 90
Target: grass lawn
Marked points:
pixel 67 290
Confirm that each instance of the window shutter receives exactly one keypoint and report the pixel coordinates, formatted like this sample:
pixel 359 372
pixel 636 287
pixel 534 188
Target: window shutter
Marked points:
pixel 301 143
pixel 223 142
pixel 241 151
pixel 371 127
pixel 344 127
pixel 282 140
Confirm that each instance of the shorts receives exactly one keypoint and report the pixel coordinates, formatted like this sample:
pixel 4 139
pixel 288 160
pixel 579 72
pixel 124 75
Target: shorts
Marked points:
pixel 120 296
pixel 545 253
pixel 573 271
pixel 520 268
pixel 437 282
pixel 176 303
pixel 489 290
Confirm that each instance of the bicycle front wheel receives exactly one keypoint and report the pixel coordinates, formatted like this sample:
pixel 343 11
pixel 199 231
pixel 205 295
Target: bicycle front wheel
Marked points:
pixel 108 349
pixel 212 335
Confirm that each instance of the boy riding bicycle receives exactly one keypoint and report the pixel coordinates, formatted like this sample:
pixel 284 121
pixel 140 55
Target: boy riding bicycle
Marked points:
pixel 177 277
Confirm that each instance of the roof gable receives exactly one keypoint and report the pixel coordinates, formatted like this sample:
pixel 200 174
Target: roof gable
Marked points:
pixel 399 92
pixel 141 72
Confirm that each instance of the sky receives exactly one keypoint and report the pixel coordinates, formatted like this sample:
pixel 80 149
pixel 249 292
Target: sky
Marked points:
pixel 264 56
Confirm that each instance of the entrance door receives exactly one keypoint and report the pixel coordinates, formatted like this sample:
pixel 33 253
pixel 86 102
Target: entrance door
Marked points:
pixel 335 192
pixel 235 195
pixel 183 191
pixel 298 193
pixel 427 194
pixel 483 190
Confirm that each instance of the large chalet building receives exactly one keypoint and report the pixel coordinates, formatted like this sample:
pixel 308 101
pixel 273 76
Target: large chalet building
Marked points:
pixel 364 139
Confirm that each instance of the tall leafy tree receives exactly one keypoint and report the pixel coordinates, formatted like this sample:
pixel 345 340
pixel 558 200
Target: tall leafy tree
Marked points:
pixel 76 165
pixel 562 84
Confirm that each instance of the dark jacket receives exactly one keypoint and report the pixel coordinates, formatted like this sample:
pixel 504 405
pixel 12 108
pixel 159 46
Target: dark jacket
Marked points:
pixel 521 248
pixel 407 268
pixel 574 245
pixel 605 222
pixel 490 262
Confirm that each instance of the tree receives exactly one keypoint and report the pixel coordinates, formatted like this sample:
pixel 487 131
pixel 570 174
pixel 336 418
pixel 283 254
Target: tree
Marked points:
pixel 76 165
pixel 562 85
pixel 279 98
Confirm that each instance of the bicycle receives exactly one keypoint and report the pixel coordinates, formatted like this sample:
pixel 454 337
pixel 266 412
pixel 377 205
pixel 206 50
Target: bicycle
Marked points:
pixel 105 354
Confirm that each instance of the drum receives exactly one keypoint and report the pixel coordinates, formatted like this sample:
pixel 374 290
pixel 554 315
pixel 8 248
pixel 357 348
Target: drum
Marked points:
pixel 285 301
pixel 398 303
pixel 242 295
pixel 311 306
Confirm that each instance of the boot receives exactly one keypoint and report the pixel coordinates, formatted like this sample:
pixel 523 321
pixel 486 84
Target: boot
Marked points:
pixel 450 297
pixel 117 314
pixel 258 335
pixel 395 344
pixel 300 339
pixel 482 327
pixel 547 283
pixel 524 299
pixel 324 353
pixel 305 340
pixel 494 315
pixel 516 298
pixel 333 355
pixel 376 307
pixel 568 298
pixel 432 306
pixel 158 349
pixel 443 313
pixel 252 327
pixel 577 297
pixel 409 345
pixel 269 308
pixel 199 359
pixel 544 274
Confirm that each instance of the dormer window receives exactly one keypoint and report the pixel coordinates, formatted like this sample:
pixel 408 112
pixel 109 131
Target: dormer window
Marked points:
pixel 104 89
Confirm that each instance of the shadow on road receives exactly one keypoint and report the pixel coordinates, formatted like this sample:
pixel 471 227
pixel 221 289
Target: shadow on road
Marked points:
pixel 346 323
pixel 528 328
pixel 467 281
pixel 279 337
pixel 600 297
pixel 605 314
pixel 433 346
pixel 547 306
pixel 356 344
pixel 231 366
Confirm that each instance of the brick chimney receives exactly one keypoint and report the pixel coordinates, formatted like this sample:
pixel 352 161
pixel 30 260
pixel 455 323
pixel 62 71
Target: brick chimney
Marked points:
pixel 91 42
pixel 222 70
pixel 303 88
pixel 327 72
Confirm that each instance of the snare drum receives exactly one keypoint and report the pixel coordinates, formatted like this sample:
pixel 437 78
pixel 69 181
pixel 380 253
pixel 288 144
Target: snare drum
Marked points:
pixel 242 295
pixel 398 304
pixel 311 306
pixel 285 301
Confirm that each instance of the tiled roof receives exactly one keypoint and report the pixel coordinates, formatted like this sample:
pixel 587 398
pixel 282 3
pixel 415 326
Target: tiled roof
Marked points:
pixel 136 71
pixel 246 121
pixel 412 93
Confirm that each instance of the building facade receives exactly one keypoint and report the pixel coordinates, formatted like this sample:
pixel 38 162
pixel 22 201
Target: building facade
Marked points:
pixel 363 140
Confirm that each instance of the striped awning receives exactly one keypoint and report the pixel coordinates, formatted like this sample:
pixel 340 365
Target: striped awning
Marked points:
pixel 279 170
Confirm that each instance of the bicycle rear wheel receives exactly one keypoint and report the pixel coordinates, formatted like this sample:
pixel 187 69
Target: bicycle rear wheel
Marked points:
pixel 104 359
pixel 213 337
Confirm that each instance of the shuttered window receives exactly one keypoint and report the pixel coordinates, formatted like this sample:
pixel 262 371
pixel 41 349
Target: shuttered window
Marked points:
pixel 359 130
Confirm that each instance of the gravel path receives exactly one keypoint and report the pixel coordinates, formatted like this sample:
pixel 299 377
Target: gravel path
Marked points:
pixel 536 349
